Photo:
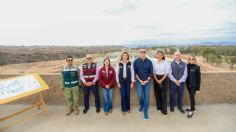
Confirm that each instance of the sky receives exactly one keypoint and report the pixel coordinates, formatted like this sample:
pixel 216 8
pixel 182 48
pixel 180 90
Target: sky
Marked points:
pixel 116 22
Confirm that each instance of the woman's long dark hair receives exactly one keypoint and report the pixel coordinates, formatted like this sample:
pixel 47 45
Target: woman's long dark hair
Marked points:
pixel 105 60
pixel 159 51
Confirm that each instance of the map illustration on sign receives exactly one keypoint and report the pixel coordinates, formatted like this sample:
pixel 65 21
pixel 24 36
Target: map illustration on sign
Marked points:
pixel 10 88
pixel 18 86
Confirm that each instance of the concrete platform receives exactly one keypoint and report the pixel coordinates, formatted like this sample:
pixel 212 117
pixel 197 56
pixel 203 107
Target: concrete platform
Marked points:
pixel 208 118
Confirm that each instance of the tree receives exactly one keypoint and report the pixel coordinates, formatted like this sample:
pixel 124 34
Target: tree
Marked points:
pixel 232 61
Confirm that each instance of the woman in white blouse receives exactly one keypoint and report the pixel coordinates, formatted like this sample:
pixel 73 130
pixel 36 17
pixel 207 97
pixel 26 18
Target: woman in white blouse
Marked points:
pixel 160 73
pixel 125 81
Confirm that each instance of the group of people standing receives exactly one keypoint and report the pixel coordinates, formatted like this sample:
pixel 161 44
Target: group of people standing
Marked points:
pixel 126 75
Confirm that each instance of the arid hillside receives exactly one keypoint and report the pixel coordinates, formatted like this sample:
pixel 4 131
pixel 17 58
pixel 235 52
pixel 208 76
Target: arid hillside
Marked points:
pixel 21 54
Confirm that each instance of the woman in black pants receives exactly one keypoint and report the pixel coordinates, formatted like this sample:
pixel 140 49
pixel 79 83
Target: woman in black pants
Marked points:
pixel 160 72
pixel 193 82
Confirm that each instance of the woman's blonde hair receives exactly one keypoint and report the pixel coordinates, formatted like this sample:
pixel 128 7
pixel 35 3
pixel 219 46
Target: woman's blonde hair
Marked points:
pixel 192 56
pixel 121 56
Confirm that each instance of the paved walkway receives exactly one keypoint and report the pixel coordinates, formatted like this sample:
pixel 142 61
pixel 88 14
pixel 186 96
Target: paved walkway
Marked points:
pixel 208 118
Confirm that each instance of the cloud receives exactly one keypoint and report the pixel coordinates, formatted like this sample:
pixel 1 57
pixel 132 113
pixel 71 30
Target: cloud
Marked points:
pixel 106 22
pixel 147 27
pixel 124 7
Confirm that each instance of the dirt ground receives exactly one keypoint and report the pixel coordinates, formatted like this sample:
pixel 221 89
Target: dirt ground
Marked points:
pixel 55 66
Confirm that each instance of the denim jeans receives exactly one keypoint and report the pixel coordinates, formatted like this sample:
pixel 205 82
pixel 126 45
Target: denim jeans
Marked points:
pixel 125 96
pixel 143 93
pixel 180 91
pixel 107 99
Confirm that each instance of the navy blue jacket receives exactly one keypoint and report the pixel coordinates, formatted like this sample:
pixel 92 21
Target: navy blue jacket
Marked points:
pixel 143 69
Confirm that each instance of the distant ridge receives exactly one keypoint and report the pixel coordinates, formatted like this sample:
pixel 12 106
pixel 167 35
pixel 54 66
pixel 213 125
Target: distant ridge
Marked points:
pixel 152 44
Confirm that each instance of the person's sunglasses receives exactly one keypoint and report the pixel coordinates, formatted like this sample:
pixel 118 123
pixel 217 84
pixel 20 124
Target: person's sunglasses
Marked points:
pixel 89 58
pixel 142 52
pixel 191 59
pixel 70 60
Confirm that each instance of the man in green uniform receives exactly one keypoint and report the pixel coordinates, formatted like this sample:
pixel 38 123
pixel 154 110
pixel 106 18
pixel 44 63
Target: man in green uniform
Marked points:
pixel 70 85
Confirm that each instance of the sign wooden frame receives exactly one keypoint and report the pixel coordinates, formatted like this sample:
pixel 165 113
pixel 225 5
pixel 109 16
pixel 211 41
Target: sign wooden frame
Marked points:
pixel 40 103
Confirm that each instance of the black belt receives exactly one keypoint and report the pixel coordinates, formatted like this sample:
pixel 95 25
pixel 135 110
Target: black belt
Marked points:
pixel 159 76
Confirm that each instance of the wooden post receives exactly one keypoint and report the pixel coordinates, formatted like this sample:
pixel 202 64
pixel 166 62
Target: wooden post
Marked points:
pixel 38 104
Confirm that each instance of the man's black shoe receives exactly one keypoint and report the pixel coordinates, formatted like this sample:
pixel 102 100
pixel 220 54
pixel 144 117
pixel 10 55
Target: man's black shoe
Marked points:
pixel 172 109
pixel 164 113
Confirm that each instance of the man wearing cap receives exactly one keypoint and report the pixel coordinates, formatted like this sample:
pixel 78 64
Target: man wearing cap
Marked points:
pixel 89 76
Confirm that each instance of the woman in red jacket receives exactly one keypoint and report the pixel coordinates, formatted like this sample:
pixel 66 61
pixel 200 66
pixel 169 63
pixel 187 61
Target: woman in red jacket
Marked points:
pixel 107 78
